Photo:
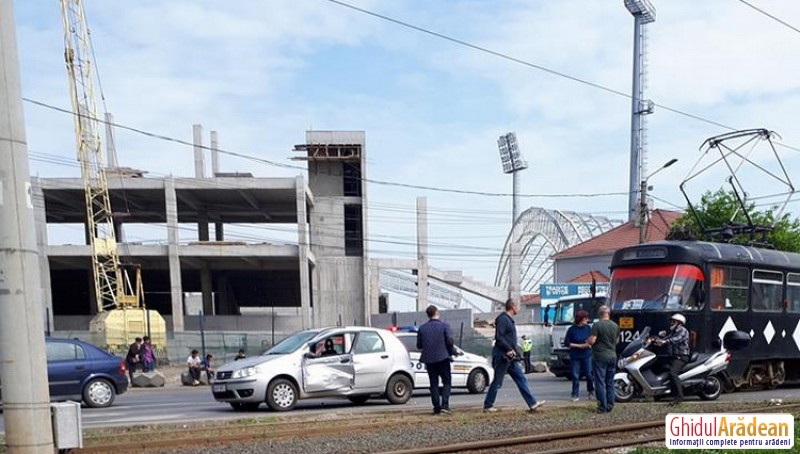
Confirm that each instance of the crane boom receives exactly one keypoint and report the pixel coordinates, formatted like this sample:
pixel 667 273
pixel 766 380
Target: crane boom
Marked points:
pixel 113 289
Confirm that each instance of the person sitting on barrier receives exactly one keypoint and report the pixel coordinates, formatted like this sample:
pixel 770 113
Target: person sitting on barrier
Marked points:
pixel 240 355
pixel 206 365
pixel 148 356
pixel 329 349
pixel 195 363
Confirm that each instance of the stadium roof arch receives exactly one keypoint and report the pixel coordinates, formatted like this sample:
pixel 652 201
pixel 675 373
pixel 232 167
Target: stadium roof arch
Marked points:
pixel 543 233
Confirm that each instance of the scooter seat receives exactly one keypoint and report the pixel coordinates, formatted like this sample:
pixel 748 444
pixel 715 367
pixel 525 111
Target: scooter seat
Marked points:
pixel 696 359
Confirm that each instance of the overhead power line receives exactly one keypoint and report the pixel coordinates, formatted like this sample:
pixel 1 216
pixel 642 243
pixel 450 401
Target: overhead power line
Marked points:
pixel 301 168
pixel 776 19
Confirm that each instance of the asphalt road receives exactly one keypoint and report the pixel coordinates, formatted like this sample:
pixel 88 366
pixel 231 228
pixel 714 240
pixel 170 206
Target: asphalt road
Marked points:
pixel 191 404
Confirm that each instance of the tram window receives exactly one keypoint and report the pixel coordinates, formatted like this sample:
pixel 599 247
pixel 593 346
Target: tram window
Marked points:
pixel 729 288
pixel 767 293
pixel 793 292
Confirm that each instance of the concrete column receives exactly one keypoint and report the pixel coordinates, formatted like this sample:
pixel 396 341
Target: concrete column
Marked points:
pixel 111 151
pixel 374 292
pixel 26 406
pixel 202 226
pixel 422 253
pixel 173 239
pixel 207 290
pixel 214 154
pixel 219 231
pixel 199 160
pixel 40 221
pixel 302 251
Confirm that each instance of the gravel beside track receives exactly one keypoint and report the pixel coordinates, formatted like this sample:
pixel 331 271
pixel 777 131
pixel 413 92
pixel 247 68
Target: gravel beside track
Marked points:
pixel 463 425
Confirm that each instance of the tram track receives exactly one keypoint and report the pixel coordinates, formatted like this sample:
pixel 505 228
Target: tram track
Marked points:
pixel 581 440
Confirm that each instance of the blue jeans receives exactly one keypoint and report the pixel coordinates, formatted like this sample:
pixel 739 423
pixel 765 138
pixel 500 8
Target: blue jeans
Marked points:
pixel 604 370
pixel 578 367
pixel 501 365
pixel 440 397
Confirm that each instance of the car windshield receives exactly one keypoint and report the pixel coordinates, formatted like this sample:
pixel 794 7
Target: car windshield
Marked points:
pixel 655 287
pixel 291 343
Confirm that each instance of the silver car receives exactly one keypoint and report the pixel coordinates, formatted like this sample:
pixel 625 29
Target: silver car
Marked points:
pixel 353 362
pixel 467 370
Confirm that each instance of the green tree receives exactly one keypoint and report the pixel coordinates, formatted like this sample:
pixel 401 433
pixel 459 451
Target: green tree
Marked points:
pixel 720 209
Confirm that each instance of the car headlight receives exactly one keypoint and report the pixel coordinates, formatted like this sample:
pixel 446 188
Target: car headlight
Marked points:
pixel 246 372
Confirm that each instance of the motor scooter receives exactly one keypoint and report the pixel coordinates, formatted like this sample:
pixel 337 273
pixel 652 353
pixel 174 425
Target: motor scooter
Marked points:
pixel 640 377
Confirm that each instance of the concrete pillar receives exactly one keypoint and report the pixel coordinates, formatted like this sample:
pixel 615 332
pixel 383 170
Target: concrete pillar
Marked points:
pixel 214 154
pixel 199 160
pixel 219 231
pixel 302 251
pixel 374 292
pixel 111 151
pixel 202 226
pixel 173 238
pixel 40 221
pixel 207 290
pixel 26 407
pixel 422 253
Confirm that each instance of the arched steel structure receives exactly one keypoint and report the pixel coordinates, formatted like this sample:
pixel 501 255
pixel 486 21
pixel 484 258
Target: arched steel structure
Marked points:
pixel 543 233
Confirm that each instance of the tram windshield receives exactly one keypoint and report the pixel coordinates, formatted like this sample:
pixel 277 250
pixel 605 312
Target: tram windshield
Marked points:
pixel 655 287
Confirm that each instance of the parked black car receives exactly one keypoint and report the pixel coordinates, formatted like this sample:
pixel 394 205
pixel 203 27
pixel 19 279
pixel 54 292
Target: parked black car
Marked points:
pixel 79 371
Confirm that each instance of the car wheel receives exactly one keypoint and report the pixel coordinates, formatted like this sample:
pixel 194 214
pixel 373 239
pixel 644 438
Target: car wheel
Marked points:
pixel 711 389
pixel 398 389
pixel 281 395
pixel 99 393
pixel 477 381
pixel 245 406
pixel 359 400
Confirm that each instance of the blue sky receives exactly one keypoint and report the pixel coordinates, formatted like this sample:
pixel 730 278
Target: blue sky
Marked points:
pixel 263 72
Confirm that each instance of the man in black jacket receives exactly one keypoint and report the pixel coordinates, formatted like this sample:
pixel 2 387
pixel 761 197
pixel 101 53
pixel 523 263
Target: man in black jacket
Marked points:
pixel 436 343
pixel 506 358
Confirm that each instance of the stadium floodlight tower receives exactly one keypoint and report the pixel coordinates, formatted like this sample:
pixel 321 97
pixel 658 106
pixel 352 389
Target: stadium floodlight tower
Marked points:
pixel 512 161
pixel 643 13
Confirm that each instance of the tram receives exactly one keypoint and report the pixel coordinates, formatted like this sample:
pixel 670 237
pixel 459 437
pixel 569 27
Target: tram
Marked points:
pixel 719 287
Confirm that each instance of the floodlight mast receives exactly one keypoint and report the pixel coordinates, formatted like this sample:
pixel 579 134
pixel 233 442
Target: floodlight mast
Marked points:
pixel 643 13
pixel 512 161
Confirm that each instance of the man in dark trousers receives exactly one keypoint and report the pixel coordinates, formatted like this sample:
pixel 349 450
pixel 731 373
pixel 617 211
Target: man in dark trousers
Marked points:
pixel 134 356
pixel 677 342
pixel 506 358
pixel 436 343
pixel 603 339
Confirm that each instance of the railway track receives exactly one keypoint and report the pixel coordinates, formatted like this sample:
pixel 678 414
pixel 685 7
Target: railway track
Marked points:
pixel 583 440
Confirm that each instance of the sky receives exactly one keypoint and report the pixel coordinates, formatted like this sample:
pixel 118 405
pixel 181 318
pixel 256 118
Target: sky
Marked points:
pixel 261 73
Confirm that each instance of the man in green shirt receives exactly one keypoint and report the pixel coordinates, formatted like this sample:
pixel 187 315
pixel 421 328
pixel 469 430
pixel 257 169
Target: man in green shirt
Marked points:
pixel 603 339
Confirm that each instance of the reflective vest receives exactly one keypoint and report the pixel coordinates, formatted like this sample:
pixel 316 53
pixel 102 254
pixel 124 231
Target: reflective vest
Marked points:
pixel 527 344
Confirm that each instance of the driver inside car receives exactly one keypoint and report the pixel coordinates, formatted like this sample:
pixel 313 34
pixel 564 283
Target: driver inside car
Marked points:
pixel 329 348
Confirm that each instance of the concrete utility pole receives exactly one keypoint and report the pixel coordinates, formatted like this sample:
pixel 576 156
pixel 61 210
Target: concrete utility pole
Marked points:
pixel 422 253
pixel 26 399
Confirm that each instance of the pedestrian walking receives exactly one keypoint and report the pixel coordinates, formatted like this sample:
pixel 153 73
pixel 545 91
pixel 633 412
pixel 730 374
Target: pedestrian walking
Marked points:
pixel 435 340
pixel 580 354
pixel 526 345
pixel 603 339
pixel 506 359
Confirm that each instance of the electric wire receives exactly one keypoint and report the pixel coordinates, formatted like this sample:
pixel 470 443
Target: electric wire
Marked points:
pixel 775 18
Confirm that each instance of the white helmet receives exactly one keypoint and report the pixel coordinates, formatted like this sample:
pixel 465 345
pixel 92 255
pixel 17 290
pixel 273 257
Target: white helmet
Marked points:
pixel 679 318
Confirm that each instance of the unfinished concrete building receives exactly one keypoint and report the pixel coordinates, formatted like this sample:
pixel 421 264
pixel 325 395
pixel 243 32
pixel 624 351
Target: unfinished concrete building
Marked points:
pixel 240 283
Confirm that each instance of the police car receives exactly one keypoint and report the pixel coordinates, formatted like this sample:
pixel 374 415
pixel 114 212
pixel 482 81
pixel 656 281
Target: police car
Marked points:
pixel 467 370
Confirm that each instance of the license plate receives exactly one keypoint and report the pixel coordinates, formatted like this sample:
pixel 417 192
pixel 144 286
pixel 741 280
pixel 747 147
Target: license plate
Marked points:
pixel 219 388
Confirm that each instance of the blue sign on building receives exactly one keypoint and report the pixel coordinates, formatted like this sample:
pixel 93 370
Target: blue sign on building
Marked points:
pixel 556 291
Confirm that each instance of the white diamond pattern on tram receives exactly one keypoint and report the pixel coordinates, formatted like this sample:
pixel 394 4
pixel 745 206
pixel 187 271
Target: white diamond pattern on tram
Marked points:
pixel 796 335
pixel 730 326
pixel 769 332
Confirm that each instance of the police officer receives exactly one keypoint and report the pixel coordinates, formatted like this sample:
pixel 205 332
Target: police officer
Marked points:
pixel 676 341
pixel 526 346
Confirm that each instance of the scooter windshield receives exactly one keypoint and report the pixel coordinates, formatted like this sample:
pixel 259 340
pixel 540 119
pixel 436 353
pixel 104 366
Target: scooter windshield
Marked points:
pixel 636 344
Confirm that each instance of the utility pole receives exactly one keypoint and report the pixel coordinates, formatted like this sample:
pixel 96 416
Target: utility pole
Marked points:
pixel 513 163
pixel 642 212
pixel 26 402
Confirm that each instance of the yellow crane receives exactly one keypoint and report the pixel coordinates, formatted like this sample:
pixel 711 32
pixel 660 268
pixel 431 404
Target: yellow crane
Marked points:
pixel 121 313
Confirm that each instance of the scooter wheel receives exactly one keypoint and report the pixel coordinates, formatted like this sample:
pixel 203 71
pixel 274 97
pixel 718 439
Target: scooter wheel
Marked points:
pixel 623 392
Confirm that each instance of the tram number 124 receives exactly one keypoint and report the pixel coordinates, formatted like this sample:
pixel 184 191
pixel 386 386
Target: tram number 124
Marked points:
pixel 626 336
